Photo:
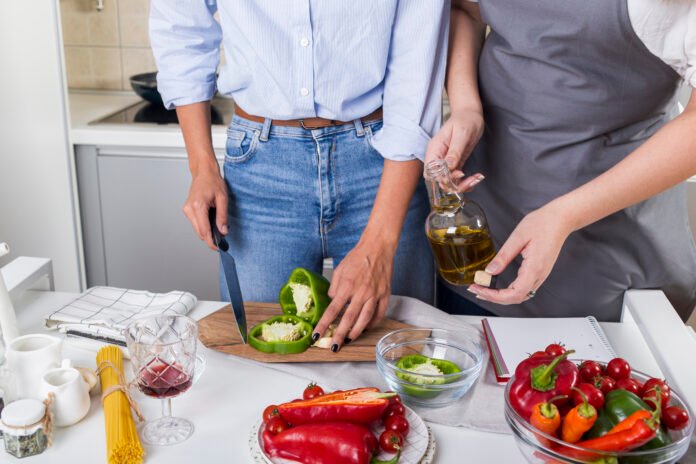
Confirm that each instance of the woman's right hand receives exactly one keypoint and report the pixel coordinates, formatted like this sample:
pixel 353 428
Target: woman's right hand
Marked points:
pixel 454 142
pixel 208 190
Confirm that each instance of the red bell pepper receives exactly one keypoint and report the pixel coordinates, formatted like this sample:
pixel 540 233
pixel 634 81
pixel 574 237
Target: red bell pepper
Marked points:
pixel 327 443
pixel 359 406
pixel 539 379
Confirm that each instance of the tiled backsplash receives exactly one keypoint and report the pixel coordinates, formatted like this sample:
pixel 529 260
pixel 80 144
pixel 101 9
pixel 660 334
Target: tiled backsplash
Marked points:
pixel 104 48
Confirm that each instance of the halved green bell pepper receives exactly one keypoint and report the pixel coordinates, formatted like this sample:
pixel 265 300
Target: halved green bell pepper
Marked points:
pixel 412 362
pixel 298 345
pixel 309 289
pixel 618 405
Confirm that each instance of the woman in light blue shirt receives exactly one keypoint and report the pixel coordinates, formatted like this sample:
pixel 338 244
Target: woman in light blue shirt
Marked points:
pixel 337 102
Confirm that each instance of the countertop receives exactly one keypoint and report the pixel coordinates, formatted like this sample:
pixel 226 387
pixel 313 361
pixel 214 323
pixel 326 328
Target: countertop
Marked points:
pixel 231 393
pixel 87 106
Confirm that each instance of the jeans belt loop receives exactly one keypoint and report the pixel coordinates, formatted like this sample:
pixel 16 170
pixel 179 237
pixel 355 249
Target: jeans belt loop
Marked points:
pixel 359 128
pixel 266 130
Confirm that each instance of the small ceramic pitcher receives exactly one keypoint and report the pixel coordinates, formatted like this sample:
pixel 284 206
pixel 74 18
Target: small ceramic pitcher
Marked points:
pixel 72 401
pixel 28 358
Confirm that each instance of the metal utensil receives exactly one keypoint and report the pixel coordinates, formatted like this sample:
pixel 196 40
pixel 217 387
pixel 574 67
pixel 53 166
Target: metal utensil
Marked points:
pixel 229 268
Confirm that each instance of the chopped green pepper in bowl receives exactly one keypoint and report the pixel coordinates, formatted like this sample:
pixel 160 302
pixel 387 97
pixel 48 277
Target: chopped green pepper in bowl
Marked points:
pixel 281 334
pixel 305 295
pixel 423 370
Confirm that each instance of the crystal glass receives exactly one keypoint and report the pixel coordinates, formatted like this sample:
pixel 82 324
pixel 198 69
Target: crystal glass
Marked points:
pixel 163 357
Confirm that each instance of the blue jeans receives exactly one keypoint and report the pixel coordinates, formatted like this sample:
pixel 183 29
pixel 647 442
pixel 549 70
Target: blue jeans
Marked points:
pixel 298 196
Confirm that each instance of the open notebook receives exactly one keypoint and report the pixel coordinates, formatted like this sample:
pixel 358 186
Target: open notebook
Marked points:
pixel 511 340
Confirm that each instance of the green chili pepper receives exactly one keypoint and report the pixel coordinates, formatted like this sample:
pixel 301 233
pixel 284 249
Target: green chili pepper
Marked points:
pixel 309 291
pixel 618 405
pixel 293 339
pixel 419 367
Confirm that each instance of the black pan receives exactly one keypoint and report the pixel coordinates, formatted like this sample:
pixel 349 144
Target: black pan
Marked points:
pixel 145 85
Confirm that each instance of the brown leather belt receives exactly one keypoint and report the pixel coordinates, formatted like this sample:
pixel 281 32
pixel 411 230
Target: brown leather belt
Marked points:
pixel 307 123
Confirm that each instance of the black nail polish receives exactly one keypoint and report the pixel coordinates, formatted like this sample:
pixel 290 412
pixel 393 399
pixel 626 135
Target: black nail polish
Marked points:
pixel 334 347
pixel 315 336
pixel 347 340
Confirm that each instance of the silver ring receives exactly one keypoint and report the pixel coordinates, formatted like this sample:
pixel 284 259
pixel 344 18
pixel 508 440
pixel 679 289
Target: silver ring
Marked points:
pixel 531 294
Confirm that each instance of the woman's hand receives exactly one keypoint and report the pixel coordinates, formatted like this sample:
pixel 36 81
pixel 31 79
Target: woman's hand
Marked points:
pixel 454 142
pixel 538 238
pixel 362 282
pixel 207 190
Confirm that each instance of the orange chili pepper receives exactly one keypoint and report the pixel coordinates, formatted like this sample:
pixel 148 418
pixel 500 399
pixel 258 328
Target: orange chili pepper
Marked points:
pixel 579 420
pixel 545 417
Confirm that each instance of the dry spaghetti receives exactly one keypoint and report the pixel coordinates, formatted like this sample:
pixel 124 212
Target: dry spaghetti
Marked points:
pixel 122 441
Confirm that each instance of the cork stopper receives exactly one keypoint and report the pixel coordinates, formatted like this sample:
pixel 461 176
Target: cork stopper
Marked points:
pixel 485 279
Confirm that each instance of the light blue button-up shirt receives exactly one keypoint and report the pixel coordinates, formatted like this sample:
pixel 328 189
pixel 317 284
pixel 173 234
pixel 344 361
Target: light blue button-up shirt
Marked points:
pixel 288 59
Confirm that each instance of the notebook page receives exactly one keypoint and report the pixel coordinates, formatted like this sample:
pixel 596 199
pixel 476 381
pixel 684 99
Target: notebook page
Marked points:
pixel 517 338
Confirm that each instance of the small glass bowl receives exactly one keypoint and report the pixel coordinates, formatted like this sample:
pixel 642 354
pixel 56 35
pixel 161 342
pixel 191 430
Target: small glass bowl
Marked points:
pixel 538 447
pixel 462 347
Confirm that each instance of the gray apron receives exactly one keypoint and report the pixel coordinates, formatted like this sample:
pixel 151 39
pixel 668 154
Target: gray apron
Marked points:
pixel 569 90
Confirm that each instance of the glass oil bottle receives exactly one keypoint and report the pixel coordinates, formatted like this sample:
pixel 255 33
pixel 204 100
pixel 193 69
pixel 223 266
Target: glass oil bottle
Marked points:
pixel 456 228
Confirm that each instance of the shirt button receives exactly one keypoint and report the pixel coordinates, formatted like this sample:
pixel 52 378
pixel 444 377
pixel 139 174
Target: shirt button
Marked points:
pixel 304 91
pixel 304 41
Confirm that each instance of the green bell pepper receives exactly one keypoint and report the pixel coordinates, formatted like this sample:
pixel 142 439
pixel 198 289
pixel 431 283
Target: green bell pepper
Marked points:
pixel 417 365
pixel 618 405
pixel 305 295
pixel 281 334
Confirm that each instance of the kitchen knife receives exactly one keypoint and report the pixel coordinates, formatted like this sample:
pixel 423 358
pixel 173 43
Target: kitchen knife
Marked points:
pixel 229 268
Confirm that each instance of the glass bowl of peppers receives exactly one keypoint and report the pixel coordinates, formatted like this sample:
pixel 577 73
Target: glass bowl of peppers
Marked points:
pixel 430 367
pixel 626 429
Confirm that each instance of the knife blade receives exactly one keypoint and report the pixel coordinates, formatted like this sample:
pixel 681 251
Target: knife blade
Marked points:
pixel 229 268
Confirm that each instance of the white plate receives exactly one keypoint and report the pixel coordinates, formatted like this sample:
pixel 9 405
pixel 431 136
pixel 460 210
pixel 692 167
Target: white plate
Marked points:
pixel 419 447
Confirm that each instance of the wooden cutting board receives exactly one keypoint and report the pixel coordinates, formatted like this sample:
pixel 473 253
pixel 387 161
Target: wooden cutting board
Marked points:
pixel 218 331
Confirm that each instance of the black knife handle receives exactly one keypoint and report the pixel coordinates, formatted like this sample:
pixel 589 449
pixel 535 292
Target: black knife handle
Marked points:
pixel 218 238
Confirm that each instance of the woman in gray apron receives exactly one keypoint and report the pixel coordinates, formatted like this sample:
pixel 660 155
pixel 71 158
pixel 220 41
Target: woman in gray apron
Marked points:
pixel 583 152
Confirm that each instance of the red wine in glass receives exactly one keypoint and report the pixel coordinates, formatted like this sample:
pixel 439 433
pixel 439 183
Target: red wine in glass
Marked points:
pixel 160 379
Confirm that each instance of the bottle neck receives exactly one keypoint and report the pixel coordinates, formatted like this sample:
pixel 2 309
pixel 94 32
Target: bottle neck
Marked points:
pixel 444 191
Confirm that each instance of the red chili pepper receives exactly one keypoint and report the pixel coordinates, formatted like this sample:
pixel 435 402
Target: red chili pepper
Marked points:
pixel 538 379
pixel 625 440
pixel 359 406
pixel 326 443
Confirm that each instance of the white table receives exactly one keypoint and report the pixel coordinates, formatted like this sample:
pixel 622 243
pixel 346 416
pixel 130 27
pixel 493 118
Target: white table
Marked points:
pixel 232 392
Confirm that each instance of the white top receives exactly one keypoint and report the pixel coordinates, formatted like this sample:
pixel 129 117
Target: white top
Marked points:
pixel 668 30
pixel 22 413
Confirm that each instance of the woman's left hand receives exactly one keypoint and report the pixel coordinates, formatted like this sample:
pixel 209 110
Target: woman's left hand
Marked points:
pixel 362 284
pixel 538 238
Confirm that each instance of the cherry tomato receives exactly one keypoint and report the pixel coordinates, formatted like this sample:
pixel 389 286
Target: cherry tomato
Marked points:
pixel 312 391
pixel 589 370
pixel 397 424
pixel 394 399
pixel 649 392
pixel 631 385
pixel 396 409
pixel 555 349
pixel 269 412
pixel 675 418
pixel 390 441
pixel 618 369
pixel 277 424
pixel 537 354
pixel 593 394
pixel 605 383
pixel 296 400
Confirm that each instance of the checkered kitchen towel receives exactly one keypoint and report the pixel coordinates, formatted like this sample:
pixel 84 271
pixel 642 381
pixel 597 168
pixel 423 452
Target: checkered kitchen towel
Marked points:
pixel 102 313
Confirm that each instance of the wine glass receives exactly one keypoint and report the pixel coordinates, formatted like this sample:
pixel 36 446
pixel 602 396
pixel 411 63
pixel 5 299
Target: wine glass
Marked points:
pixel 163 357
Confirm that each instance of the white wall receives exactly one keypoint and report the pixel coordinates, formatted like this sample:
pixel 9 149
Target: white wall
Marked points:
pixel 37 207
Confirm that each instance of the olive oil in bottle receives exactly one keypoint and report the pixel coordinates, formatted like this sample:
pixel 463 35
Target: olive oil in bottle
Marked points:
pixel 457 229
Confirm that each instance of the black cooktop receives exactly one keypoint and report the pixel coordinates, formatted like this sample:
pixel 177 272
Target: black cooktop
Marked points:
pixel 144 112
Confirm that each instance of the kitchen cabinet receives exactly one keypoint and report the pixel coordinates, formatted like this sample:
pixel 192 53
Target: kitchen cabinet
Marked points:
pixel 135 233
